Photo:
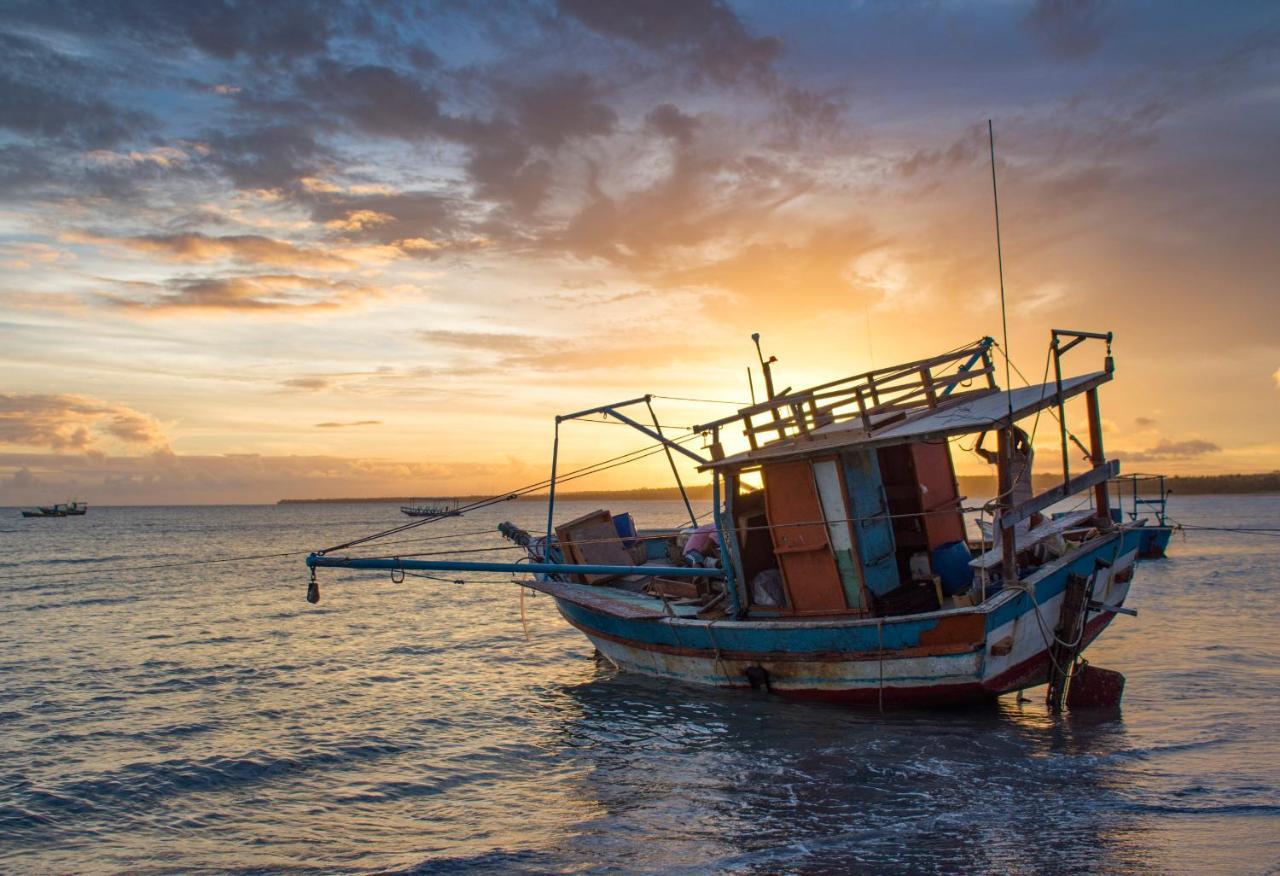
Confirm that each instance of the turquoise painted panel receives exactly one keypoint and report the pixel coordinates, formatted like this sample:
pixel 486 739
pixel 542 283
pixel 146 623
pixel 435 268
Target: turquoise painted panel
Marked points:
pixel 872 525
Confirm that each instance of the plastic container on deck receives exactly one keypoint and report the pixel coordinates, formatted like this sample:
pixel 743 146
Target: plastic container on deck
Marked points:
pixel 625 526
pixel 951 564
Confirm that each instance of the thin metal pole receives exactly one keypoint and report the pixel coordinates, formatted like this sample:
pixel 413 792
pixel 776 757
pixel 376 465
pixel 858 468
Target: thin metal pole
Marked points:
pixel 399 565
pixel 671 460
pixel 1004 319
pixel 1062 406
pixel 726 556
pixel 551 496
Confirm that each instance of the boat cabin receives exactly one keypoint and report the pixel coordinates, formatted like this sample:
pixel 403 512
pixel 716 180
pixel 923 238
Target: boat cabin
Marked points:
pixel 845 500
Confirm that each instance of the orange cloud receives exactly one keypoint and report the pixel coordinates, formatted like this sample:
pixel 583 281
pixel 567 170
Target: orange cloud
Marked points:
pixel 251 249
pixel 359 220
pixel 73 422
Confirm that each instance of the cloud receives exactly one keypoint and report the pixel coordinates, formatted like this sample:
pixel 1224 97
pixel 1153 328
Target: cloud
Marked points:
pixel 336 425
pixel 41 96
pixel 1169 450
pixel 377 99
pixel 261 294
pixel 73 422
pixel 707 34
pixel 500 342
pixel 269 156
pixel 161 156
pixel 360 220
pixel 1069 29
pixel 1144 422
pixel 385 218
pixel 251 249
pixel 668 121
pixel 826 266
pixel 21 256
pixel 1276 378
pixel 260 33
pixel 308 383
pixel 965 150
pixel 510 154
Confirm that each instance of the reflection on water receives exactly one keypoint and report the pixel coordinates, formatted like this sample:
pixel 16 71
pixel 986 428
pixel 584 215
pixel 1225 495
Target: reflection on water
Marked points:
pixel 165 721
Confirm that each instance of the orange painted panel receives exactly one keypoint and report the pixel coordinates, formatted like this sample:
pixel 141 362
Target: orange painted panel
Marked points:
pixel 800 539
pixel 938 493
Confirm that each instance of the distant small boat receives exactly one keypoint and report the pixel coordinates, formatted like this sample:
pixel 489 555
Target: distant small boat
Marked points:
pixel 417 509
pixel 68 509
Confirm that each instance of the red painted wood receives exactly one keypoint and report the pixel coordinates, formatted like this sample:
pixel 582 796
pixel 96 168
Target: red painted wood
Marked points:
pixel 800 539
pixel 938 493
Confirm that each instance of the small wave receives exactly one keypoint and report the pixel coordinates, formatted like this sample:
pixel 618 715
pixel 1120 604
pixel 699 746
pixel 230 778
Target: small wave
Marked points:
pixel 81 603
pixel 1223 809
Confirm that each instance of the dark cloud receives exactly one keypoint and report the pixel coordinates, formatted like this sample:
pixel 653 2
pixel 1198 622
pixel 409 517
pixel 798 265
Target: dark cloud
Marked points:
pixel 387 218
pixel 1143 422
pixel 481 341
pixel 963 151
pixel 667 120
pixel 307 383
pixel 706 33
pixel 261 294
pixel 510 155
pixel 269 156
pixel 560 108
pixel 279 31
pixel 43 94
pixel 377 99
pixel 1069 29
pixel 1166 450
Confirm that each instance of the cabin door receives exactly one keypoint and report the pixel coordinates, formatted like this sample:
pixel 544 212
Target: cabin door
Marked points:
pixel 873 525
pixel 801 539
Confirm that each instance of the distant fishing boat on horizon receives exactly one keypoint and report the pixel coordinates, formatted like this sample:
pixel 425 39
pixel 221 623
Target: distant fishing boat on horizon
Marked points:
pixel 66 509
pixel 445 508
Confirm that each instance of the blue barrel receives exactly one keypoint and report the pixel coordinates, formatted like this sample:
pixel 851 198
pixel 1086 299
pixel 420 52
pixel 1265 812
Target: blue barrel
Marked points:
pixel 625 526
pixel 951 564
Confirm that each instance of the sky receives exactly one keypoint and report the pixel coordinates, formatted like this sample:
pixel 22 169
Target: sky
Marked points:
pixel 251 251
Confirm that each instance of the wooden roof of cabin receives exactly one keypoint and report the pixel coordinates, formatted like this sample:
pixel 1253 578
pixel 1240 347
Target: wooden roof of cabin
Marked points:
pixel 963 415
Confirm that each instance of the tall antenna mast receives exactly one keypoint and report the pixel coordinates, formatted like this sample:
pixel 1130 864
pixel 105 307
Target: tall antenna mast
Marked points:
pixel 1004 319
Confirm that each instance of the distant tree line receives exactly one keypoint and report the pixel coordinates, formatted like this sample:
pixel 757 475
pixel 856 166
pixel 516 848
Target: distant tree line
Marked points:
pixel 970 485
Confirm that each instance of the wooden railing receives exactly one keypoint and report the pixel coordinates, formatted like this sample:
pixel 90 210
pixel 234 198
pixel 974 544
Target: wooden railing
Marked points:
pixel 878 398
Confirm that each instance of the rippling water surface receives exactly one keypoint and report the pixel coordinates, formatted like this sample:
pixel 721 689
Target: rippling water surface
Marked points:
pixel 205 717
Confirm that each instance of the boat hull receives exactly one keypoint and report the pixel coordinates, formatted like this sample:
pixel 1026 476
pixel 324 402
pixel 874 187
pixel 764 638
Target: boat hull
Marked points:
pixel 940 658
pixel 1155 542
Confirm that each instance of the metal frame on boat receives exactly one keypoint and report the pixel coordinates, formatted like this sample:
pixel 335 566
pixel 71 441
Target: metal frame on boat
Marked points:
pixel 848 571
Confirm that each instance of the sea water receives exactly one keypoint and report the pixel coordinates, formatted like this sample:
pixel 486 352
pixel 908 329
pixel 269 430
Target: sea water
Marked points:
pixel 164 712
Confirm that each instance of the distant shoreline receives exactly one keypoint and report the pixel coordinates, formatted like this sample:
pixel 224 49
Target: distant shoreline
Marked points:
pixel 1194 485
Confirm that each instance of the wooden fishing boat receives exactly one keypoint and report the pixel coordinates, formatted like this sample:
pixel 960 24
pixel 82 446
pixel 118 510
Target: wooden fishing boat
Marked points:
pixel 838 564
pixel 417 509
pixel 69 509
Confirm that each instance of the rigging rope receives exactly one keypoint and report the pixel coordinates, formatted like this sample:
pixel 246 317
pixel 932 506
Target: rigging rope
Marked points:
pixel 594 468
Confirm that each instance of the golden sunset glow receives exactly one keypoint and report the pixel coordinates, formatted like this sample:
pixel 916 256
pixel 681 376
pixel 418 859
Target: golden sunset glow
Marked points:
pixel 365 254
